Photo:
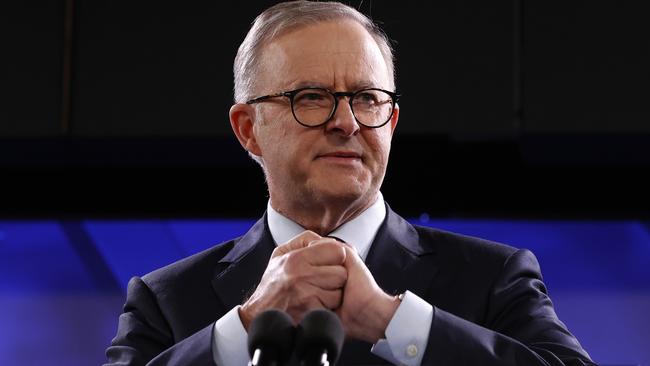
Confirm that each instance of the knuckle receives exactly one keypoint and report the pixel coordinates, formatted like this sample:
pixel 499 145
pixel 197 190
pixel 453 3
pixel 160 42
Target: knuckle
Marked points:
pixel 341 253
pixel 294 272
pixel 311 234
pixel 278 251
pixel 293 262
pixel 336 252
pixel 308 236
pixel 294 281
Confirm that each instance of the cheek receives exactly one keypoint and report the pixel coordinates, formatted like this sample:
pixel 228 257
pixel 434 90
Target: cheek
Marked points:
pixel 272 137
pixel 379 147
pixel 285 148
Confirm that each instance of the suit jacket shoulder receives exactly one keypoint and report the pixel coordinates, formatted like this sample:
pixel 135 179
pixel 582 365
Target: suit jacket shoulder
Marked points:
pixel 180 274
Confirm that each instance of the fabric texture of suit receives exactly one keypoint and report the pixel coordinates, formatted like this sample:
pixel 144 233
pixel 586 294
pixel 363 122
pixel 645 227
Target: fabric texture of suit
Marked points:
pixel 490 304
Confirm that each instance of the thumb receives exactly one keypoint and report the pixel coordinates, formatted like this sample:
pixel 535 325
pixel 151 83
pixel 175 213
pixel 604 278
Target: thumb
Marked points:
pixel 300 241
pixel 351 256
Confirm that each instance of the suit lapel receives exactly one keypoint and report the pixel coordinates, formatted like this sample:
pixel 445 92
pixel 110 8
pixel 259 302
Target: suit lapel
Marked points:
pixel 238 273
pixel 398 260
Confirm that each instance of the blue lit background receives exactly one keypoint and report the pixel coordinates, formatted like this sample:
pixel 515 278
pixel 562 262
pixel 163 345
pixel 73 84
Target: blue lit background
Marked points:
pixel 62 282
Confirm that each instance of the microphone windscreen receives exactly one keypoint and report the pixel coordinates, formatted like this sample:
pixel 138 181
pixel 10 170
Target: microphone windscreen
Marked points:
pixel 320 330
pixel 272 330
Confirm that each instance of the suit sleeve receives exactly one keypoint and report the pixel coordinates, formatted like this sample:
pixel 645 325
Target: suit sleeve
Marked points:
pixel 521 326
pixel 144 337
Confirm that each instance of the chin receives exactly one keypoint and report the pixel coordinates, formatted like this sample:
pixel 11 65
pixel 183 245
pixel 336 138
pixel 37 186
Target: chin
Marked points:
pixel 340 187
pixel 342 193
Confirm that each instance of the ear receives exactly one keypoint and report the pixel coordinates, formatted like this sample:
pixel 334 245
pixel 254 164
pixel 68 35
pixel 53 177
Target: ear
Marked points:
pixel 394 119
pixel 242 118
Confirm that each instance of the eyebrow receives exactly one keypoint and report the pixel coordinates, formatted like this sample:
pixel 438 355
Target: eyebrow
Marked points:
pixel 357 86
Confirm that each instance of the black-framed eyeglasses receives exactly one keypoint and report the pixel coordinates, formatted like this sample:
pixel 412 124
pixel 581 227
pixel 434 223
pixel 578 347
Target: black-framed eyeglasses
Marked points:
pixel 313 107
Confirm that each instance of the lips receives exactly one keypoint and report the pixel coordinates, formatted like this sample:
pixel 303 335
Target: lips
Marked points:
pixel 341 155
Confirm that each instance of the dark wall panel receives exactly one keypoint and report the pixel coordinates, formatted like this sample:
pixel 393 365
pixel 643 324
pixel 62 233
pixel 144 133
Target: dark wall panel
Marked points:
pixel 31 62
pixel 586 66
pixel 151 88
pixel 454 64
pixel 165 69
pixel 156 68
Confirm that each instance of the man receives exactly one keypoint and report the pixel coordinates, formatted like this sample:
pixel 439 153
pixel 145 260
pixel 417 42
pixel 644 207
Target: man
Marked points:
pixel 316 107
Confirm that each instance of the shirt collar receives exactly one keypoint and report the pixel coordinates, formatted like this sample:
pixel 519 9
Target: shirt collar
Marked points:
pixel 358 232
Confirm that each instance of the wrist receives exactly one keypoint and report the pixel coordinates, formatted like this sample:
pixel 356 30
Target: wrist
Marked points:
pixel 380 316
pixel 245 317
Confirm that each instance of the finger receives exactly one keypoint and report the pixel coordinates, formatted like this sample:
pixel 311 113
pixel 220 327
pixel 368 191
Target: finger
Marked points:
pixel 300 241
pixel 352 256
pixel 324 252
pixel 328 277
pixel 308 299
pixel 315 298
pixel 331 299
pixel 325 239
pixel 349 249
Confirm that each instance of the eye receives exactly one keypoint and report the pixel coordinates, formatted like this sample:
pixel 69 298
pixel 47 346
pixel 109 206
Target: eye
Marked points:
pixel 312 98
pixel 368 97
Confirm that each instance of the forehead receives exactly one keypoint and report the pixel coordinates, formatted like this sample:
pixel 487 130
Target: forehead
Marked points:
pixel 337 55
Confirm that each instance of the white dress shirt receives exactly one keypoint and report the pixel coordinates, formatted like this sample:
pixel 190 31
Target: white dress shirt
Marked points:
pixel 407 332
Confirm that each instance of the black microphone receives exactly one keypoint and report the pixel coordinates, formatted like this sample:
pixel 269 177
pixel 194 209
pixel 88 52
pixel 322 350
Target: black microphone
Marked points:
pixel 270 338
pixel 319 338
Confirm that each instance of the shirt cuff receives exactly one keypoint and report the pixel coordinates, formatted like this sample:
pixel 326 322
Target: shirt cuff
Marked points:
pixel 230 338
pixel 407 332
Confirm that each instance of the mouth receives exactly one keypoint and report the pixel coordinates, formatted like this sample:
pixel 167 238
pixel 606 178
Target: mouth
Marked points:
pixel 342 156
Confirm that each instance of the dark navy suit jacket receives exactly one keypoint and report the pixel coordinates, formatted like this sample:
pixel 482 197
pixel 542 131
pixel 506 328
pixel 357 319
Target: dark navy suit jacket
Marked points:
pixel 490 305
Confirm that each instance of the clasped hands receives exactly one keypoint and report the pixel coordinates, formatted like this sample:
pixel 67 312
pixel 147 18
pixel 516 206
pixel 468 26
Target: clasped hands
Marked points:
pixel 313 272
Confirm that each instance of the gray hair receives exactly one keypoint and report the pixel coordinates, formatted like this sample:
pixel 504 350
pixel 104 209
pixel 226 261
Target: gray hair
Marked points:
pixel 286 16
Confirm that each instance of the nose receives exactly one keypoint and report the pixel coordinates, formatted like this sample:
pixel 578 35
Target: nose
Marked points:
pixel 343 121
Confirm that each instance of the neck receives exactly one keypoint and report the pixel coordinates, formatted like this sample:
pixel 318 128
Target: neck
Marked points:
pixel 323 217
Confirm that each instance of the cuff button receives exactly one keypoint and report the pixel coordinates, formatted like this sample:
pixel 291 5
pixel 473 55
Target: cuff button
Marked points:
pixel 412 350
